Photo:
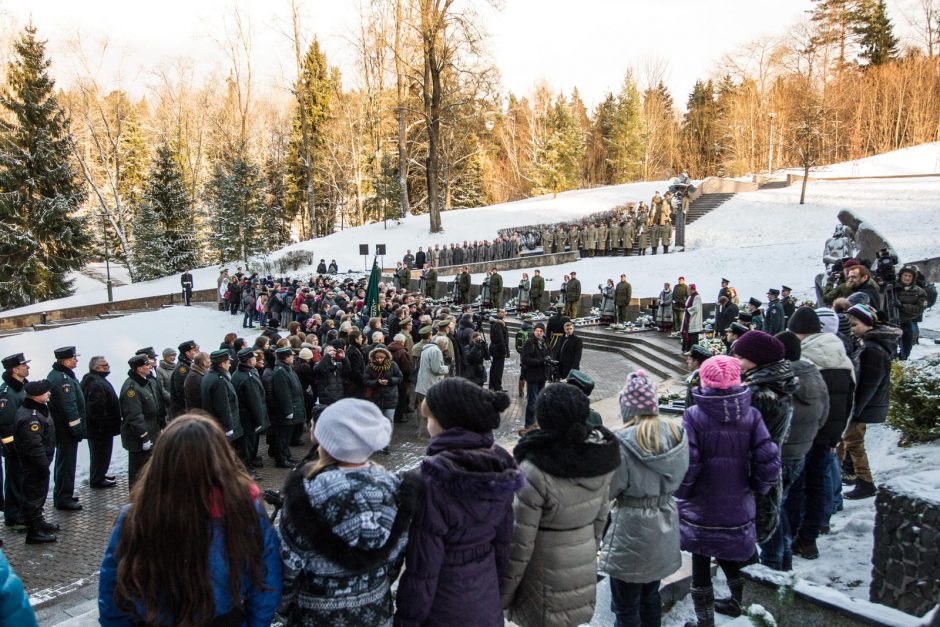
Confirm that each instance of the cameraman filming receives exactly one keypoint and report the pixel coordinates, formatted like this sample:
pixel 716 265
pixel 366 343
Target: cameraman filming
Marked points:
pixel 912 302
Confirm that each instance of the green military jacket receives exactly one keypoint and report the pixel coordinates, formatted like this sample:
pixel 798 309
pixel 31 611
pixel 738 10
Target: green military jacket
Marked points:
pixel 142 412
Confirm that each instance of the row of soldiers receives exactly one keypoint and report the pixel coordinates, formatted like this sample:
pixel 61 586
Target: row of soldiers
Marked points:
pixel 470 252
pixel 637 230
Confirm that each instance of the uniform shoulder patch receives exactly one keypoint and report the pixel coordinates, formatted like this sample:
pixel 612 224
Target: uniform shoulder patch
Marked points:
pixel 66 387
pixel 34 426
pixel 3 403
pixel 183 369
pixel 131 393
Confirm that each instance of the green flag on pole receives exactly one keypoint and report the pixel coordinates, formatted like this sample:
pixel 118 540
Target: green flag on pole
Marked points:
pixel 372 292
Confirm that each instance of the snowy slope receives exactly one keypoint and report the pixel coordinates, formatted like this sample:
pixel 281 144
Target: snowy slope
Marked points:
pixel 922 159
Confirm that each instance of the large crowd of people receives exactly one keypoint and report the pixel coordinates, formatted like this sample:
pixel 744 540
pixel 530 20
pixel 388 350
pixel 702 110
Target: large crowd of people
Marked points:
pixel 774 425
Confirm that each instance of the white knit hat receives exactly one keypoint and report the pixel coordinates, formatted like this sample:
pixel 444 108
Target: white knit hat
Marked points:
pixel 350 430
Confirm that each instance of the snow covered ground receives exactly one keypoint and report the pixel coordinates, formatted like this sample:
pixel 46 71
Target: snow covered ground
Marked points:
pixel 922 159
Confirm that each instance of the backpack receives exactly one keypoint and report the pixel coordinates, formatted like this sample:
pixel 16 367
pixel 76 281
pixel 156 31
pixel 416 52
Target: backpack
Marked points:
pixel 522 336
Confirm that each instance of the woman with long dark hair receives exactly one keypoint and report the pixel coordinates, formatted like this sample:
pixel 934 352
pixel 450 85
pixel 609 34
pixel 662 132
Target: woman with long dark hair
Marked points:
pixel 194 546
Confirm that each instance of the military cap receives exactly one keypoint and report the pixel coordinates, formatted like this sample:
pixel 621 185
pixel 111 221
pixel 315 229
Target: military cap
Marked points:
pixel 217 357
pixel 66 352
pixel 37 388
pixel 187 346
pixel 426 330
pixel 581 381
pixel 738 329
pixel 724 280
pixel 774 291
pixel 138 360
pixel 745 317
pixel 786 288
pixel 539 325
pixel 11 362
pixel 700 352
pixel 245 354
pixel 284 351
pixel 754 301
pixel 443 324
pixel 148 351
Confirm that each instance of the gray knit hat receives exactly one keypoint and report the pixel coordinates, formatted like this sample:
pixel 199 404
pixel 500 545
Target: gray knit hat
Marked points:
pixel 350 430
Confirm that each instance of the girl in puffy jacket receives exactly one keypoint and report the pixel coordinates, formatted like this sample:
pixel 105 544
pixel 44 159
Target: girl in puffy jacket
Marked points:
pixel 731 457
pixel 641 546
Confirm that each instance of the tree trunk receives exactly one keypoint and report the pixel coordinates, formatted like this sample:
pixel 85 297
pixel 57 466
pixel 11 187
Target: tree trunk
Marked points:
pixel 432 105
pixel 402 122
pixel 805 180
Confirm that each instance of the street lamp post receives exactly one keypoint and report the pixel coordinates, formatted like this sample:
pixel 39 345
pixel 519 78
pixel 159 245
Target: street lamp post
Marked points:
pixel 107 262
pixel 770 151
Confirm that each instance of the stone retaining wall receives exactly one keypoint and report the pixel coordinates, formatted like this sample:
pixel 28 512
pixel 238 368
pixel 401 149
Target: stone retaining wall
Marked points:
pixel 516 263
pixel 906 558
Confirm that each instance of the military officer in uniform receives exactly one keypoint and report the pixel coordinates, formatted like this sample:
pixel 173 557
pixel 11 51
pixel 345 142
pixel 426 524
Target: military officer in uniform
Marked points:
pixel 251 407
pixel 288 406
pixel 12 394
pixel 188 350
pixel 788 302
pixel 548 239
pixel 35 437
pixel 219 398
pixel 142 415
pixel 67 406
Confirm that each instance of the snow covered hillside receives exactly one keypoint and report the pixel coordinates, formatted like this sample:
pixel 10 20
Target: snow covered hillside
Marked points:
pixel 757 239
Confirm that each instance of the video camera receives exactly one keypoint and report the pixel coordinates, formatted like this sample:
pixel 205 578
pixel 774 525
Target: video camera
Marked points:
pixel 884 266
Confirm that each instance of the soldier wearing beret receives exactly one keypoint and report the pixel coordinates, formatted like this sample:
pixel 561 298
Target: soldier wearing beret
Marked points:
pixel 35 436
pixel 287 407
pixel 12 395
pixel 252 410
pixel 142 415
pixel 219 398
pixel 187 351
pixel 67 406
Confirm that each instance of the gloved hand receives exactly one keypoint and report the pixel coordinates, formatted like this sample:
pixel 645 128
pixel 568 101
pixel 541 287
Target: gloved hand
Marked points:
pixel 289 417
pixel 229 433
pixel 147 445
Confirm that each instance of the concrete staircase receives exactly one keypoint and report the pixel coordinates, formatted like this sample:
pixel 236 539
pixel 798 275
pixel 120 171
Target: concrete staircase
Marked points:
pixel 704 204
pixel 649 350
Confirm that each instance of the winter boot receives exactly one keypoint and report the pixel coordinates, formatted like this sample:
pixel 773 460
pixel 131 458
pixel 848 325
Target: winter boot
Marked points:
pixel 704 601
pixel 805 549
pixel 731 606
pixel 36 535
pixel 862 490
pixel 48 527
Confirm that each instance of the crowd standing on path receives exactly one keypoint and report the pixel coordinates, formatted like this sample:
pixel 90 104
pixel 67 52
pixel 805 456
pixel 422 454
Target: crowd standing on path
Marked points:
pixel 779 401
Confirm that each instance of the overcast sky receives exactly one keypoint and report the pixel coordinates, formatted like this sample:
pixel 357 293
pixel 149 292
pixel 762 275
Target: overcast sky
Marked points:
pixel 567 43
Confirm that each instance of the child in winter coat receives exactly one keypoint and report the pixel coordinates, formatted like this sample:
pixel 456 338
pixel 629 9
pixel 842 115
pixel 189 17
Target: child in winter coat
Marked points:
pixel 458 545
pixel 560 513
pixel 641 546
pixel 345 523
pixel 731 457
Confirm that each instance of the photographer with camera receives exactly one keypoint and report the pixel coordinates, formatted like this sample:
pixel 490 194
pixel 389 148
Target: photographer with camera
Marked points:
pixel 477 353
pixel 912 302
pixel 537 363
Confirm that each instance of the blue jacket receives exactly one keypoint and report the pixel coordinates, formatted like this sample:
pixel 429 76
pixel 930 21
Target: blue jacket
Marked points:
pixel 259 605
pixel 14 604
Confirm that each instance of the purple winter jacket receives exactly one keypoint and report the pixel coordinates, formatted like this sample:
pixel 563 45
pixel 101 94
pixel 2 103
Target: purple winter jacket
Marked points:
pixel 458 544
pixel 731 457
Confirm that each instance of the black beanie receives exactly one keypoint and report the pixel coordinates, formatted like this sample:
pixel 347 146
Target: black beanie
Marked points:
pixel 457 402
pixel 805 321
pixel 560 406
pixel 791 344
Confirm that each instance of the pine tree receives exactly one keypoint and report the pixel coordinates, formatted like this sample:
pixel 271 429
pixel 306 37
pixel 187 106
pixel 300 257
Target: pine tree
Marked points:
pixel 625 145
pixel 875 33
pixel 164 236
pixel 41 236
pixel 835 22
pixel 700 131
pixel 556 166
pixel 278 215
pixel 235 199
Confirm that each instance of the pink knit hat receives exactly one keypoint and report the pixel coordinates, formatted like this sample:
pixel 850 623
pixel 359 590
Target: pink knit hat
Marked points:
pixel 638 397
pixel 720 372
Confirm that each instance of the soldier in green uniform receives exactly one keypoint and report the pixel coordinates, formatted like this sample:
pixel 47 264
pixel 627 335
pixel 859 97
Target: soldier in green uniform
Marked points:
pixel 548 240
pixel 463 285
pixel 251 408
pixel 601 245
pixel 287 408
pixel 219 398
pixel 34 433
pixel 616 236
pixel 537 290
pixel 588 236
pixel 496 289
pixel 574 238
pixel 67 407
pixel 188 350
pixel 404 277
pixel 622 295
pixel 12 395
pixel 430 282
pixel 142 415
pixel 572 296
pixel 629 234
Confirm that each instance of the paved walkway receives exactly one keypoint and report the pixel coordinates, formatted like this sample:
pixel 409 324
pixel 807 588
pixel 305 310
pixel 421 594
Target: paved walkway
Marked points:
pixel 62 578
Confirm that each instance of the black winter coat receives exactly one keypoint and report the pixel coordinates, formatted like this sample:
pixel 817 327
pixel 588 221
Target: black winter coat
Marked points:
pixel 354 371
pixel 534 354
pixel 221 402
pixel 384 396
pixel 879 347
pixel 568 351
pixel 499 339
pixel 724 316
pixel 192 389
pixel 329 376
pixel 102 406
pixel 475 356
pixel 252 410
